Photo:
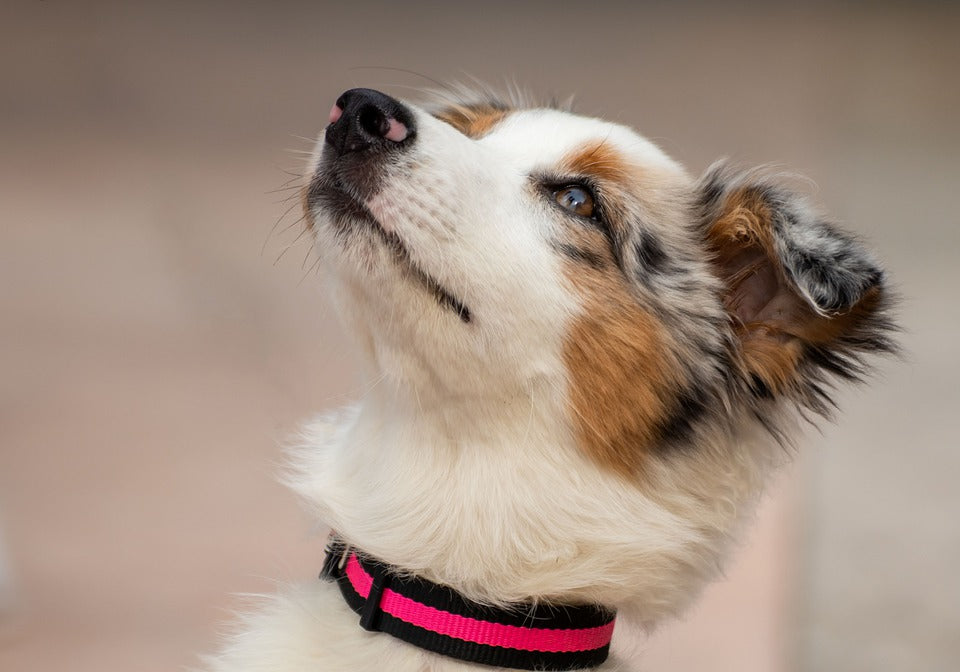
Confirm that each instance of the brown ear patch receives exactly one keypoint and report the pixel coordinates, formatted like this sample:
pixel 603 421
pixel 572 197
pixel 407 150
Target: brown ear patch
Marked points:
pixel 474 120
pixel 775 323
pixel 622 375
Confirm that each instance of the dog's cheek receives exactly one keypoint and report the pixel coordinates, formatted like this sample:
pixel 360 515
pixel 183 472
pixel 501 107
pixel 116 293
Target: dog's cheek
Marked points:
pixel 622 372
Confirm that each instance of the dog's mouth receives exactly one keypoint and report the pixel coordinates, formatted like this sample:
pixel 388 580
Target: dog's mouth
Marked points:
pixel 347 213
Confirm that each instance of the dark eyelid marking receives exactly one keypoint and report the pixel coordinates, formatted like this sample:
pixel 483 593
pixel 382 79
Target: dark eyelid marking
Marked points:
pixel 650 253
pixel 581 255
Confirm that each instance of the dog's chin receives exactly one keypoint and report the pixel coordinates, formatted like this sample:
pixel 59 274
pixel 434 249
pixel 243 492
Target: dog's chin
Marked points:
pixel 348 216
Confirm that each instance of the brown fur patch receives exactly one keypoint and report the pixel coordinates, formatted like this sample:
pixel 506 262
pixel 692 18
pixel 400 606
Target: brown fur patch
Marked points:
pixel 625 376
pixel 603 162
pixel 474 121
pixel 622 373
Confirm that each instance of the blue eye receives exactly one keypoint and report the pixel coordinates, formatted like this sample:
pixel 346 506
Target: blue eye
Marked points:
pixel 576 199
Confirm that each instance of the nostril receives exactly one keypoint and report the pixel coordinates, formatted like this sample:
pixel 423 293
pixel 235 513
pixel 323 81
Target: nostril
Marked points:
pixel 373 121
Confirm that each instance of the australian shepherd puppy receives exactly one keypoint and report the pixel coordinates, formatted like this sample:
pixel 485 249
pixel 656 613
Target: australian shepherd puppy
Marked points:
pixel 583 363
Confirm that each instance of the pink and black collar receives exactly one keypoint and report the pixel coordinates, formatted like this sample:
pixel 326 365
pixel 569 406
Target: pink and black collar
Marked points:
pixel 437 618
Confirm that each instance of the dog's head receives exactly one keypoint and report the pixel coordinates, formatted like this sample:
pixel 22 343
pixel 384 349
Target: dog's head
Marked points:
pixel 486 255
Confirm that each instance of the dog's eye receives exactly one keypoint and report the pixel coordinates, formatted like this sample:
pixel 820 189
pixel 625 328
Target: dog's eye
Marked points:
pixel 577 199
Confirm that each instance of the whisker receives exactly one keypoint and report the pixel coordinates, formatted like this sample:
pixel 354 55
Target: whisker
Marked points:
pixel 292 224
pixel 315 265
pixel 283 189
pixel 303 263
pixel 273 228
pixel 287 248
pixel 403 70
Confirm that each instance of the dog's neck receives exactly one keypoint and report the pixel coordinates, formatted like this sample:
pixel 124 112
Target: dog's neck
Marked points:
pixel 494 498
pixel 435 489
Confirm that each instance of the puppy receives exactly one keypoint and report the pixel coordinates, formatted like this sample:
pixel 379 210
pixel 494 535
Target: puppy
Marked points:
pixel 583 364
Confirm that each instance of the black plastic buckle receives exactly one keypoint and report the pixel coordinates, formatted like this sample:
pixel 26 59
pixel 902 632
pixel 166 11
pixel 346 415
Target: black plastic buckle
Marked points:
pixel 370 615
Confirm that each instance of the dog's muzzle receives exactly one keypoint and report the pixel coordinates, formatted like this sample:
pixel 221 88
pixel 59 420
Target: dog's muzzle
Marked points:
pixel 367 132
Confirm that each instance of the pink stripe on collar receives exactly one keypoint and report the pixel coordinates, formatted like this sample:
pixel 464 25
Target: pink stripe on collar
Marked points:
pixel 473 630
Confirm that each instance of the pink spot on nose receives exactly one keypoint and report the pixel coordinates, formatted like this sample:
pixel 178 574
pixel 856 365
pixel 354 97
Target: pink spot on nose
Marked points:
pixel 335 113
pixel 396 132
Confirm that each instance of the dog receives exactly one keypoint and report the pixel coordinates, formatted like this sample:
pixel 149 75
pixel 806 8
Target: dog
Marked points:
pixel 584 364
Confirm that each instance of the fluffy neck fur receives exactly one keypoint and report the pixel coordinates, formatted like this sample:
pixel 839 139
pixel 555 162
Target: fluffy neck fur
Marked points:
pixel 493 498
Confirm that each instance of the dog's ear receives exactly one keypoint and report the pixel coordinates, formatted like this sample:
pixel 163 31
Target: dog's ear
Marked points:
pixel 805 299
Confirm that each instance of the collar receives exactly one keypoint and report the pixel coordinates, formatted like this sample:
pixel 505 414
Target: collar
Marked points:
pixel 524 636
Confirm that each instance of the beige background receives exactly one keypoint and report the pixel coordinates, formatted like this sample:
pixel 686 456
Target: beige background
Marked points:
pixel 154 354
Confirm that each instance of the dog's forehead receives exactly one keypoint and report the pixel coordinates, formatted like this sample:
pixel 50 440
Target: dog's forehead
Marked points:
pixel 542 139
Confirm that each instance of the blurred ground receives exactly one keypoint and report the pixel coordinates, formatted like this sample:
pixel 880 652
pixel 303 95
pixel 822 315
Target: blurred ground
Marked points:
pixel 154 354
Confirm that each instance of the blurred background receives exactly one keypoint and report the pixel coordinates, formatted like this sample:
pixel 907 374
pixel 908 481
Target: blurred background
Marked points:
pixel 162 334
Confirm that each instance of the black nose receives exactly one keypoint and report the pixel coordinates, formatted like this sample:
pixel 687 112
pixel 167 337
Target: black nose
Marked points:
pixel 364 118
